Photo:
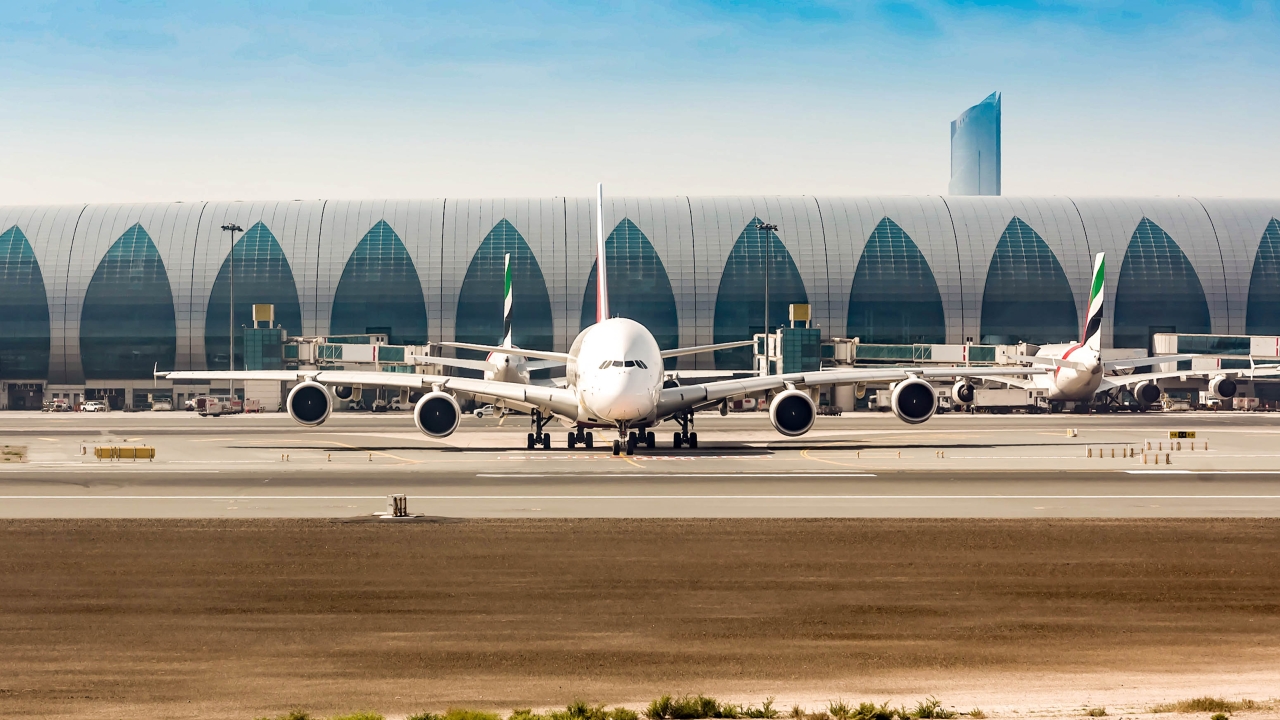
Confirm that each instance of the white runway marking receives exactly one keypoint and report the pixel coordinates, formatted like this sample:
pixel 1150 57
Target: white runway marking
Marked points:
pixel 644 497
pixel 624 473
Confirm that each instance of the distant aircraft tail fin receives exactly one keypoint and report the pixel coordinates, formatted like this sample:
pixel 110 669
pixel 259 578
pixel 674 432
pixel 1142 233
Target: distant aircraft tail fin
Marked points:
pixel 507 303
pixel 1092 337
pixel 602 275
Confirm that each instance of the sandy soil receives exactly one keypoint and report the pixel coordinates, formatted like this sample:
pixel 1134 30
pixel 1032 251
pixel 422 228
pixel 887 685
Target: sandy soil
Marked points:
pixel 237 619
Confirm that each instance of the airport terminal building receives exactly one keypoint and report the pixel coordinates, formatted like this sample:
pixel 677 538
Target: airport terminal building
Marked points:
pixel 94 296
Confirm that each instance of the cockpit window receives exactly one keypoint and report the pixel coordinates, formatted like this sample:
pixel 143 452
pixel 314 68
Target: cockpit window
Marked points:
pixel 605 364
pixel 617 363
pixel 630 363
pixel 640 363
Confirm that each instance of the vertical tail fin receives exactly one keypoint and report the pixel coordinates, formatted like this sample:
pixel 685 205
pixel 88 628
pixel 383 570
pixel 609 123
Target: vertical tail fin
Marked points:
pixel 1092 338
pixel 602 281
pixel 507 303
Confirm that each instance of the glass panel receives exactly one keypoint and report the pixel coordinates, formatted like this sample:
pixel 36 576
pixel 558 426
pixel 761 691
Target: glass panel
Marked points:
pixel 24 310
pixel 1263 314
pixel 638 287
pixel 1213 345
pixel 1027 296
pixel 740 299
pixel 380 291
pixel 1158 291
pixel 481 301
pixel 127 326
pixel 263 276
pixel 895 297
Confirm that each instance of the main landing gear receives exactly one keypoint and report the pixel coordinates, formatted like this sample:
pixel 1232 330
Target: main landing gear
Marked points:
pixel 684 437
pixel 585 439
pixel 538 437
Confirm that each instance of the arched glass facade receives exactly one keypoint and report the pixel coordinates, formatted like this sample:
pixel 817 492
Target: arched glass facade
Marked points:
pixel 638 286
pixel 480 300
pixel 1027 297
pixel 740 298
pixel 24 310
pixel 895 297
pixel 1158 290
pixel 262 276
pixel 379 291
pixel 127 326
pixel 1263 314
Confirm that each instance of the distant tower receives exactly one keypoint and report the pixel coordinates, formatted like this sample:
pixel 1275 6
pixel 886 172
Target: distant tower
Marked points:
pixel 975 149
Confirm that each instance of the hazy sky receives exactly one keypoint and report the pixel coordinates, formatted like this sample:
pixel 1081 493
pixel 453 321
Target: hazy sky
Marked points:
pixel 141 101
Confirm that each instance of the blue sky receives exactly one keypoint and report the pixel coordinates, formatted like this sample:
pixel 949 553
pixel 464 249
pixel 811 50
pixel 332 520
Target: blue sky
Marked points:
pixel 140 101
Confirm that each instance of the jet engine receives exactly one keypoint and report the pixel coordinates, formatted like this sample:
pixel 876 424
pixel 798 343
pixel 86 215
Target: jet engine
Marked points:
pixel 1223 386
pixel 1147 393
pixel 962 391
pixel 342 392
pixel 792 412
pixel 914 401
pixel 309 403
pixel 437 414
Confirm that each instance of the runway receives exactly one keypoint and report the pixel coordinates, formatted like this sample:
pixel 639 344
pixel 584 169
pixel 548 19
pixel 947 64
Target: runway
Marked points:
pixel 859 465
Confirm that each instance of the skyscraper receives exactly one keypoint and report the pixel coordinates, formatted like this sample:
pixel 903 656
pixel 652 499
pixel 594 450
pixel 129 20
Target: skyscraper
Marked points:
pixel 975 149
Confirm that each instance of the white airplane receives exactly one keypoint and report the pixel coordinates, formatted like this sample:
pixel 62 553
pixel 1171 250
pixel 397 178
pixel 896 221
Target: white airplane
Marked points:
pixel 501 365
pixel 614 380
pixel 1079 373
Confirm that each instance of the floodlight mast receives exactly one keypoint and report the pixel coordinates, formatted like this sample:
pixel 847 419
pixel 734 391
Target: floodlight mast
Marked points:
pixel 231 305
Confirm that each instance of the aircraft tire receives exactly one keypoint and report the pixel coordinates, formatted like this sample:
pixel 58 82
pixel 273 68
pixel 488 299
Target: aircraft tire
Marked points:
pixel 573 440
pixel 693 441
pixel 531 442
pixel 651 440
pixel 546 441
pixel 675 442
pixel 590 441
pixel 631 445
pixel 617 447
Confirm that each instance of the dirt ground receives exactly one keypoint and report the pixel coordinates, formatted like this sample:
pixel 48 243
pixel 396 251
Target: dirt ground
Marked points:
pixel 238 619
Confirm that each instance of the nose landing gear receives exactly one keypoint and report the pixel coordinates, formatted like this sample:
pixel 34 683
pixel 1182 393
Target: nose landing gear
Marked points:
pixel 586 440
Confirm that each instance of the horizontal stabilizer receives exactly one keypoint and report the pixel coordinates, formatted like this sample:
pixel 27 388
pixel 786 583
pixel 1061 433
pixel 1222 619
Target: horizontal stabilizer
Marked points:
pixel 523 352
pixel 705 348
pixel 1052 362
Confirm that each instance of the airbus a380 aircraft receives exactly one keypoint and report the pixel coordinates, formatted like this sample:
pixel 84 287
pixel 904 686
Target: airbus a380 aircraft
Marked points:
pixel 614 380
pixel 1079 373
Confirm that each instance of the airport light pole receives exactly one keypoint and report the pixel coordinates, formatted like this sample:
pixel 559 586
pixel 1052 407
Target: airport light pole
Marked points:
pixel 764 229
pixel 231 303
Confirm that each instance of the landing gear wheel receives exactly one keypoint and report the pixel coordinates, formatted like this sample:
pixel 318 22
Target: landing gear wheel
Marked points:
pixel 532 443
pixel 631 445
pixel 546 441
pixel 693 441
pixel 573 440
pixel 590 441
pixel 676 441
pixel 617 447
pixel 651 440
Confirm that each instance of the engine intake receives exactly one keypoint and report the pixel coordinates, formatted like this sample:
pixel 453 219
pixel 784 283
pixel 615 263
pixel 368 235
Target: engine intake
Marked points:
pixel 1222 386
pixel 792 412
pixel 309 403
pixel 914 401
pixel 437 414
pixel 962 391
pixel 1147 393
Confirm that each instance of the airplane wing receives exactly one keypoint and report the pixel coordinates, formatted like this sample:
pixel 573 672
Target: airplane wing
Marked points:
pixel 1112 382
pixel 1051 362
pixel 687 397
pixel 1144 362
pixel 562 358
pixel 544 364
pixel 694 350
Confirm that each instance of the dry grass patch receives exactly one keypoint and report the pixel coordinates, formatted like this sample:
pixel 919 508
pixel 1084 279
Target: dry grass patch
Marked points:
pixel 1207 704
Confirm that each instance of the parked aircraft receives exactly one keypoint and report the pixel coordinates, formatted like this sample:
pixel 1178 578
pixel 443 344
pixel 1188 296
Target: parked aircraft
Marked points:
pixel 614 381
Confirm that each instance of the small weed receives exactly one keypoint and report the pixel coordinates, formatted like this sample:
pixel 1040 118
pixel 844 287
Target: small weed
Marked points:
pixel 1218 716
pixel 465 714
pixel 1096 712
pixel 930 709
pixel 686 707
pixel 291 715
pixel 1206 704
pixel 976 713
pixel 839 710
pixel 425 716
pixel 797 713
pixel 766 710
pixel 359 716
pixel 872 711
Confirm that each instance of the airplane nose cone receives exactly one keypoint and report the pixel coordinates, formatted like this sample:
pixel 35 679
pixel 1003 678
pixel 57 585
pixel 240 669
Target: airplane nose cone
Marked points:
pixel 625 396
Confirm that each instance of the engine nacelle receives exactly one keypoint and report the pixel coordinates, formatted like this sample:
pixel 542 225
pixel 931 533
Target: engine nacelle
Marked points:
pixel 309 403
pixel 962 391
pixel 792 412
pixel 437 414
pixel 914 401
pixel 342 392
pixel 1146 393
pixel 1222 386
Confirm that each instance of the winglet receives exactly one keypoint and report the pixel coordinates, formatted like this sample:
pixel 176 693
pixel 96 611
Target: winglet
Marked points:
pixel 602 276
pixel 1092 337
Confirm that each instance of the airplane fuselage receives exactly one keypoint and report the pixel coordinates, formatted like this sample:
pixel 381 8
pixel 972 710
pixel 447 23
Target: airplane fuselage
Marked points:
pixel 1066 383
pixel 615 369
pixel 507 367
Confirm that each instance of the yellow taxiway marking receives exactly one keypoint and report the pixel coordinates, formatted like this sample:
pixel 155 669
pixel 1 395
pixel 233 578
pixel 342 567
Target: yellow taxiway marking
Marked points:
pixel 805 454
pixel 48 439
pixel 633 462
pixel 404 460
